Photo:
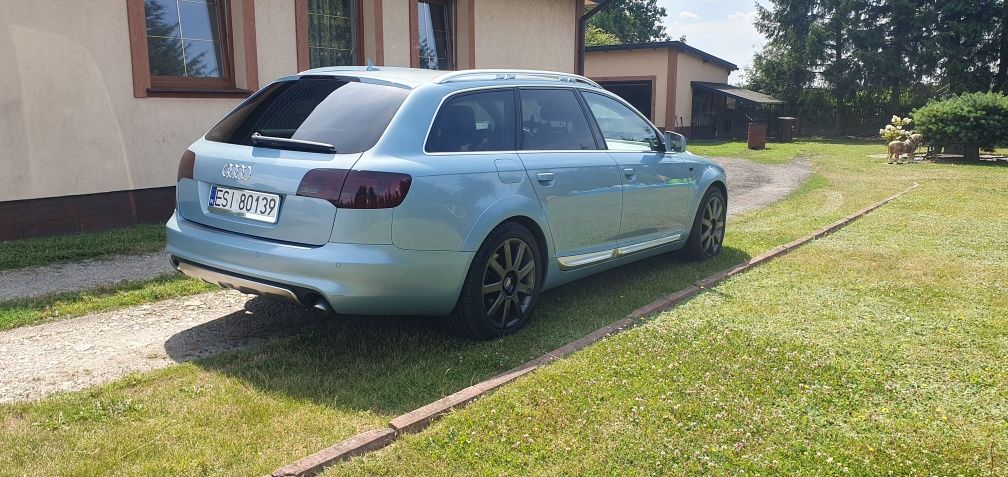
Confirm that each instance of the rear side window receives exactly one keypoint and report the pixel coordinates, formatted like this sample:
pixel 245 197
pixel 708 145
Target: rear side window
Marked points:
pixel 622 128
pixel 553 120
pixel 348 114
pixel 473 122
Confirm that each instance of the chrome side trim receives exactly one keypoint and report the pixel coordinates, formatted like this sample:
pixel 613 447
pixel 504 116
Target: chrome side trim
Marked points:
pixel 244 285
pixel 585 259
pixel 575 261
pixel 646 245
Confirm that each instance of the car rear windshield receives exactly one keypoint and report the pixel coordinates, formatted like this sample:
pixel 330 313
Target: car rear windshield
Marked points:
pixel 346 113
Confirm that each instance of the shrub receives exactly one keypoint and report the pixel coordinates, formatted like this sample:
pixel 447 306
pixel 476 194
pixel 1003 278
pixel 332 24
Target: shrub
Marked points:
pixel 973 121
pixel 894 130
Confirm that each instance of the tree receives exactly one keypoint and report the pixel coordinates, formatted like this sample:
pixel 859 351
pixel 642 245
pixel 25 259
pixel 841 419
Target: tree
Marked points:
pixel 595 36
pixel 972 120
pixel 968 42
pixel 633 21
pixel 1001 78
pixel 879 56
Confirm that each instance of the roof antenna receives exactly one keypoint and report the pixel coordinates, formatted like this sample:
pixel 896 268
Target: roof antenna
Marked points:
pixel 371 66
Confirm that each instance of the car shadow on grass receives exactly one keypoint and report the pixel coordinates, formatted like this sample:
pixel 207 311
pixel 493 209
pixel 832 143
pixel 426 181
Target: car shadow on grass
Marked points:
pixel 392 365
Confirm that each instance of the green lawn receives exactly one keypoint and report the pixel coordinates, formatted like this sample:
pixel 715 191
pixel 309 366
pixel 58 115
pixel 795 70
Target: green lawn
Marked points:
pixel 882 348
pixel 776 153
pixel 52 250
pixel 32 311
pixel 66 248
pixel 762 372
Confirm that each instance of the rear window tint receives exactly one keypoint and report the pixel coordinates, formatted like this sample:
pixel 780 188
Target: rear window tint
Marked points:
pixel 348 114
pixel 475 122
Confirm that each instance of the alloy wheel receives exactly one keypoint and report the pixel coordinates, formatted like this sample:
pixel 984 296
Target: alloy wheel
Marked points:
pixel 712 226
pixel 509 282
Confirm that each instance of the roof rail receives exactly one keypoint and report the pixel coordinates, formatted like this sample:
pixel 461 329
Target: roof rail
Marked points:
pixel 484 75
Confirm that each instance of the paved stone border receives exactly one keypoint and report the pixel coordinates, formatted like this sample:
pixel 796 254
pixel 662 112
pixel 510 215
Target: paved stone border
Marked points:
pixel 418 419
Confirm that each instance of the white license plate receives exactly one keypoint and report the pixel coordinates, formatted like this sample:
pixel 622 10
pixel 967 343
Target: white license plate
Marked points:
pixel 245 203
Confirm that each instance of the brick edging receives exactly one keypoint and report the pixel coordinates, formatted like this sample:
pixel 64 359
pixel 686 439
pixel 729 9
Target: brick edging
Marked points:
pixel 418 419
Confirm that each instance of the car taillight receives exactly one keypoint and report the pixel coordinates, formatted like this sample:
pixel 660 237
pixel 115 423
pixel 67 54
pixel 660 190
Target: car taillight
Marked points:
pixel 186 165
pixel 323 184
pixel 356 189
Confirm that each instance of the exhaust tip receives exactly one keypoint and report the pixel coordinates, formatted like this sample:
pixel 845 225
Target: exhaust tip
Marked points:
pixel 316 302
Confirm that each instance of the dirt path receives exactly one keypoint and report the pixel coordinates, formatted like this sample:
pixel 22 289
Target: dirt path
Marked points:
pixel 81 352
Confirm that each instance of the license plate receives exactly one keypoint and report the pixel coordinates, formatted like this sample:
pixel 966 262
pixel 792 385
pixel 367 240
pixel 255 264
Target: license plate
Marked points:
pixel 245 203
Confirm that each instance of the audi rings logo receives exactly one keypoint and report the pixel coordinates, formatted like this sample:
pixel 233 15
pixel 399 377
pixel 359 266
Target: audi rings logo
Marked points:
pixel 236 171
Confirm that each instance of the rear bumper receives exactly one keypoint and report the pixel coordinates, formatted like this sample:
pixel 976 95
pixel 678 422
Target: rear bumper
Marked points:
pixel 352 278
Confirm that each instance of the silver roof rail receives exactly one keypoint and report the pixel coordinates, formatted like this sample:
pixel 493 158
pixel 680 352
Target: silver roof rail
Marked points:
pixel 489 75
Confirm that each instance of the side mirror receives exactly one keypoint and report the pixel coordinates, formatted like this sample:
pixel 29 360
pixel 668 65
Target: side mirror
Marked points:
pixel 675 142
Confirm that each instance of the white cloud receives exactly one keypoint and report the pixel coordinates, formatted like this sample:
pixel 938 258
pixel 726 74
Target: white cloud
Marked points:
pixel 687 15
pixel 746 16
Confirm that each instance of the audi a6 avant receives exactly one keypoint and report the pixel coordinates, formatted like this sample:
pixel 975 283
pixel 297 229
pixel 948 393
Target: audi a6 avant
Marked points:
pixel 464 194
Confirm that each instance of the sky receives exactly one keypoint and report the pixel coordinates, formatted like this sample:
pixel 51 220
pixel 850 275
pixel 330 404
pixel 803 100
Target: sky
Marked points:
pixel 723 28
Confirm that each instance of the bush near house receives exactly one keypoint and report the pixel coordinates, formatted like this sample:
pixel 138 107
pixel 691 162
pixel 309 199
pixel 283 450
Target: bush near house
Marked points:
pixel 973 121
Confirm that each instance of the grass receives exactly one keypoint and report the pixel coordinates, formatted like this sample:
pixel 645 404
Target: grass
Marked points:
pixel 49 250
pixel 880 349
pixel 777 364
pixel 776 153
pixel 33 311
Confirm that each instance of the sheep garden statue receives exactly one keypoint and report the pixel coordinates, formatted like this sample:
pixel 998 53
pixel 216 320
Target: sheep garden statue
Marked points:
pixel 901 141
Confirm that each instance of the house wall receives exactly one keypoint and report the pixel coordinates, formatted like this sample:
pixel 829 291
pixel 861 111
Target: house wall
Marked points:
pixel 540 34
pixel 691 68
pixel 72 123
pixel 614 65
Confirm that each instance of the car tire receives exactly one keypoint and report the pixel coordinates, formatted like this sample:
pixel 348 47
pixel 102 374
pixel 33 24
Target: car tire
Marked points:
pixel 707 236
pixel 502 286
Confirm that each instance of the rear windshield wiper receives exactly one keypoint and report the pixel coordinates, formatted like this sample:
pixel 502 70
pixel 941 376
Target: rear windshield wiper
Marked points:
pixel 293 144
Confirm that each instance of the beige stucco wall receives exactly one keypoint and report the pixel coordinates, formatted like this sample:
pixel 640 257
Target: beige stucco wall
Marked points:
pixel 395 32
pixel 70 124
pixel 628 63
pixel 692 69
pixel 537 34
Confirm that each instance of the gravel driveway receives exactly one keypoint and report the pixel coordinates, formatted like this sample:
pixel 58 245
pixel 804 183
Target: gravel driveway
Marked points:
pixel 83 275
pixel 81 352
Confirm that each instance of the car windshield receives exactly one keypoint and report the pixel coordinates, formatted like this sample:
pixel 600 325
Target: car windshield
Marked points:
pixel 345 113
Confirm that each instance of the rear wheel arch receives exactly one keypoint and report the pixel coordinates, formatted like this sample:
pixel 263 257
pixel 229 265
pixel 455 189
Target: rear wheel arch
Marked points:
pixel 533 226
pixel 474 316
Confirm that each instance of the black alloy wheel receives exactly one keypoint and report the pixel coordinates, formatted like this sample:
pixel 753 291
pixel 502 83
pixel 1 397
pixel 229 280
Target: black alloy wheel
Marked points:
pixel 502 287
pixel 707 236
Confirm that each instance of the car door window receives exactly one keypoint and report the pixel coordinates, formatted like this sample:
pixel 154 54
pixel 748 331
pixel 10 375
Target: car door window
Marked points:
pixel 553 120
pixel 622 128
pixel 473 122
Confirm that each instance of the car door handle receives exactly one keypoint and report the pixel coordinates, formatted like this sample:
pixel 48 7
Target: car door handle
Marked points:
pixel 630 172
pixel 545 178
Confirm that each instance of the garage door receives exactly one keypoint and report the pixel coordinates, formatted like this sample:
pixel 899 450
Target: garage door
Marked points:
pixel 640 94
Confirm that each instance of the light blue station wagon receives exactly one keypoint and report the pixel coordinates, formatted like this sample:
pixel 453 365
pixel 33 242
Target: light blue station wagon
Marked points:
pixel 466 194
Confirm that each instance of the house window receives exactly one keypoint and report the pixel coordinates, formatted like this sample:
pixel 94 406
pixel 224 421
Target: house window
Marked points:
pixel 186 48
pixel 435 35
pixel 187 42
pixel 333 33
